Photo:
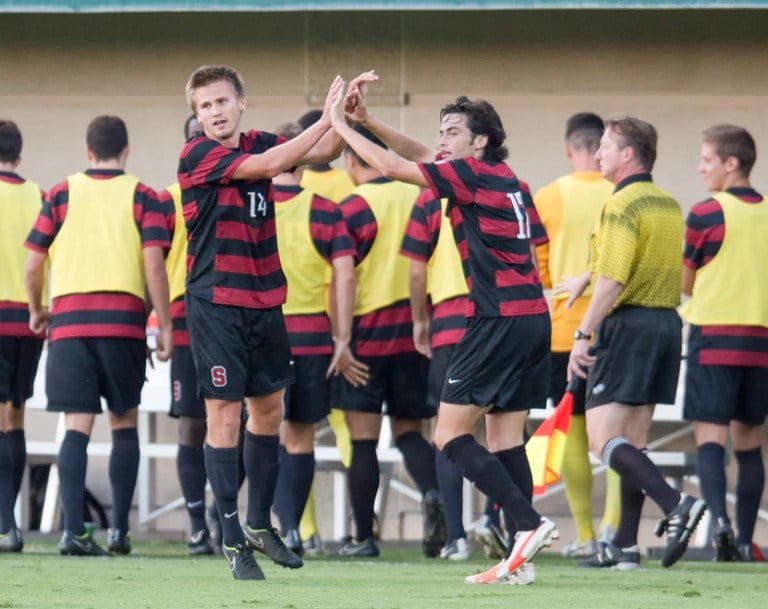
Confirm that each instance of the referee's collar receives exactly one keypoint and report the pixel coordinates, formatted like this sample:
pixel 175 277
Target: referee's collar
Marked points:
pixel 638 177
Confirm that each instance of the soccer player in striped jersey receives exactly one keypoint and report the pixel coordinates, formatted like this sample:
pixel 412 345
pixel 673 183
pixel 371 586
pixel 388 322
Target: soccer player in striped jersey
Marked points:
pixel 313 242
pixel 106 236
pixel 726 379
pixel 235 290
pixel 20 348
pixel 501 365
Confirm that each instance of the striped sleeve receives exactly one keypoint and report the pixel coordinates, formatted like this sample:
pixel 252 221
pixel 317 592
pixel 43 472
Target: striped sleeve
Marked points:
pixel 704 233
pixel 423 228
pixel 205 162
pixel 361 224
pixel 50 219
pixel 151 219
pixel 329 232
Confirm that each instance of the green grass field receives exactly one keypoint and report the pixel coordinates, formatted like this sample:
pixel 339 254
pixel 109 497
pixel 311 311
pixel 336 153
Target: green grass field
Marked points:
pixel 158 575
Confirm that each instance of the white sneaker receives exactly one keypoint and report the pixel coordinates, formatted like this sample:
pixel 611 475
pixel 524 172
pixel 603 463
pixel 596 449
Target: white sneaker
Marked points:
pixel 524 576
pixel 456 550
pixel 585 549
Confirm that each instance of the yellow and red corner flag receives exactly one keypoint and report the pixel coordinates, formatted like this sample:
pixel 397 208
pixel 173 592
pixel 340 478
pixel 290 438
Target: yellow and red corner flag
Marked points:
pixel 546 447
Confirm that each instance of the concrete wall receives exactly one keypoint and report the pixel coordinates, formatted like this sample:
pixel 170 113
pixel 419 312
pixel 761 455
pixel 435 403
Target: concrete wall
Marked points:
pixel 682 70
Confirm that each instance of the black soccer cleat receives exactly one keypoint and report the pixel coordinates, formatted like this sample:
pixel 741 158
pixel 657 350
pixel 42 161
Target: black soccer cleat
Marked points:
pixel 268 542
pixel 199 543
pixel 118 541
pixel 679 524
pixel 242 563
pixel 80 545
pixel 11 541
pixel 434 524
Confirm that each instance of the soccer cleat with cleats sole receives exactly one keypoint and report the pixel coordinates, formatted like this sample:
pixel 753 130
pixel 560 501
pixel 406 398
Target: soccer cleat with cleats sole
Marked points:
pixel 434 524
pixel 359 549
pixel 527 544
pixel 490 536
pixel 12 541
pixel 199 543
pixel 80 545
pixel 726 549
pixel 242 563
pixel 576 549
pixel 268 542
pixel 679 524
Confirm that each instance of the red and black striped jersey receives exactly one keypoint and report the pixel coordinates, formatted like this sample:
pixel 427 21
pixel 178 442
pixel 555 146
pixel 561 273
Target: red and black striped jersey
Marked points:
pixel 494 223
pixel 232 256
pixel 720 345
pixel 310 333
pixel 99 314
pixel 448 317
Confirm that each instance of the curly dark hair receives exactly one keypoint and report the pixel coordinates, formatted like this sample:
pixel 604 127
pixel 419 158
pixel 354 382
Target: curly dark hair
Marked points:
pixel 482 119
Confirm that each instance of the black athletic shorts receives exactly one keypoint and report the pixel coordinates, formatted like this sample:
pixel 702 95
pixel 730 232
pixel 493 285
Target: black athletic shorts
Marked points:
pixel 399 381
pixel 638 358
pixel 501 362
pixel 307 400
pixel 185 401
pixel 719 394
pixel 80 371
pixel 558 381
pixel 438 366
pixel 238 352
pixel 19 357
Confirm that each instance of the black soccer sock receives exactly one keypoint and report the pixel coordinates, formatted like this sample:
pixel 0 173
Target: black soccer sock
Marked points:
pixel 515 461
pixel 419 460
pixel 749 490
pixel 222 465
pixel 72 463
pixel 303 472
pixel 491 478
pixel 363 482
pixel 629 461
pixel 710 467
pixel 190 466
pixel 493 511
pixel 450 482
pixel 262 463
pixel 632 500
pixel 282 505
pixel 123 470
pixel 7 496
pixel 17 446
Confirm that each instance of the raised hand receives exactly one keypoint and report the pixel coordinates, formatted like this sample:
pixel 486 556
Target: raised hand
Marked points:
pixel 335 96
pixel 354 101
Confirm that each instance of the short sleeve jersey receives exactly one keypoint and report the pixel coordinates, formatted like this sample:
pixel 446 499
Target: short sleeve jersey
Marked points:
pixel 720 345
pixel 99 314
pixel 448 317
pixel 495 224
pixel 232 256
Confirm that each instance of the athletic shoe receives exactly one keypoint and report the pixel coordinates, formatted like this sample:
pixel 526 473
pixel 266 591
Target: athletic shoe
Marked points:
pixel 119 542
pixel 524 576
pixel 610 556
pixel 725 548
pixel 434 524
pixel 11 541
pixel 527 544
pixel 292 541
pixel 490 536
pixel 576 549
pixel 362 549
pixel 80 545
pixel 242 563
pixel 214 528
pixel 200 543
pixel 679 524
pixel 268 542
pixel 313 546
pixel 456 550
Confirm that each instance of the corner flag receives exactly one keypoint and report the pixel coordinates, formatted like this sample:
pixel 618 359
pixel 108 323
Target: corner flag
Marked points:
pixel 546 447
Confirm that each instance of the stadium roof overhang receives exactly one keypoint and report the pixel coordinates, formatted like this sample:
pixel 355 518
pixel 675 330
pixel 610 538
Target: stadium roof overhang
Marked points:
pixel 119 6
